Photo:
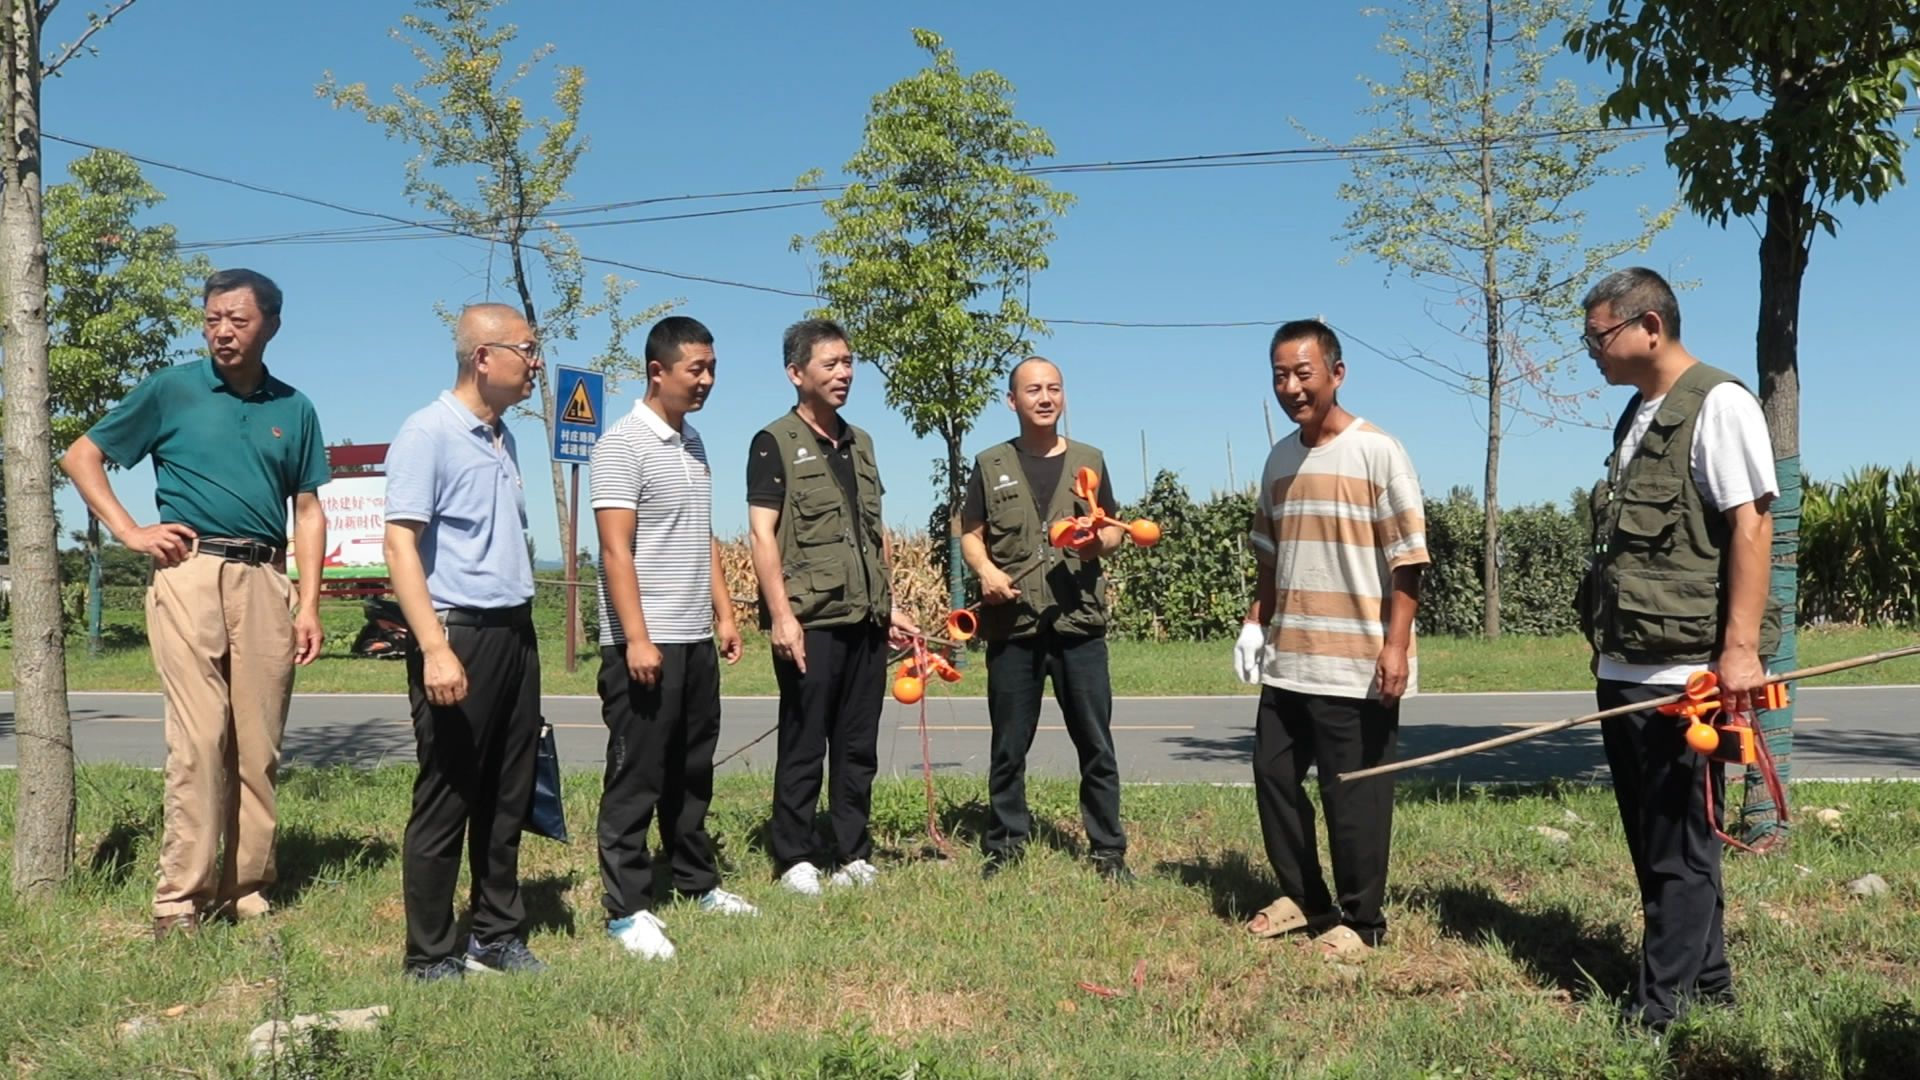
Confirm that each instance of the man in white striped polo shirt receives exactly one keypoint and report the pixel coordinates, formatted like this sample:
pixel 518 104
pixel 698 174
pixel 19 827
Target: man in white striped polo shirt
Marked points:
pixel 663 602
pixel 1340 534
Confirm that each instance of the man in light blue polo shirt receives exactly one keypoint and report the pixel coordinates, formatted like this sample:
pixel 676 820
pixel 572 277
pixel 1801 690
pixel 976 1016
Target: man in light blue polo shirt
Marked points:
pixel 457 552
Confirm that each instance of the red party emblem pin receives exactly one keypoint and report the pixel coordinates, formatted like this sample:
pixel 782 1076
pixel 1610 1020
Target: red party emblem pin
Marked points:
pixel 276 433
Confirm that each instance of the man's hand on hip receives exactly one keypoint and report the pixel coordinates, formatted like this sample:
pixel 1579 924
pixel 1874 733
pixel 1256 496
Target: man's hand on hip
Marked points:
pixel 169 543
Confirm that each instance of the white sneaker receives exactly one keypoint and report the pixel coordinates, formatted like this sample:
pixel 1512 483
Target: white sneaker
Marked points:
pixel 643 934
pixel 723 902
pixel 802 878
pixel 858 872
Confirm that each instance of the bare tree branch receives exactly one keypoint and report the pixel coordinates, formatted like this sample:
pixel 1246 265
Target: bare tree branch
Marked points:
pixel 95 23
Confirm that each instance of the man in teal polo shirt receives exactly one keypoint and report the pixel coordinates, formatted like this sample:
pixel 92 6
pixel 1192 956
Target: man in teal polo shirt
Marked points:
pixel 230 445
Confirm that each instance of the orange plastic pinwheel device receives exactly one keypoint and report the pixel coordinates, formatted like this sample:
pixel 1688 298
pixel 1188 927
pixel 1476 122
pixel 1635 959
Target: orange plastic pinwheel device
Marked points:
pixel 1080 533
pixel 1715 731
pixel 910 685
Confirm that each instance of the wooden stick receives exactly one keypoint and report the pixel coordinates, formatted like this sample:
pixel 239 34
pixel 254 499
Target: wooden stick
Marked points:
pixel 1574 721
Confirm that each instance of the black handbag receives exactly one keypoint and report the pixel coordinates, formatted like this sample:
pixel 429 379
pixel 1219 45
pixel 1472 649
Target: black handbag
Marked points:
pixel 548 815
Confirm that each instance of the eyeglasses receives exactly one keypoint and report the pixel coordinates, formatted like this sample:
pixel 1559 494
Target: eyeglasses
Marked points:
pixel 1596 342
pixel 528 351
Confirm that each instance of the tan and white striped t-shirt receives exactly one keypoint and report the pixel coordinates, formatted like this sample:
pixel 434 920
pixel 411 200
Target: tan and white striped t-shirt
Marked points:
pixel 1335 521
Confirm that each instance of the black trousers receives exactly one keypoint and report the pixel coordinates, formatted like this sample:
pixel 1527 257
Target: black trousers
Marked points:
pixel 1292 733
pixel 829 717
pixel 1017 674
pixel 660 741
pixel 1660 785
pixel 475 785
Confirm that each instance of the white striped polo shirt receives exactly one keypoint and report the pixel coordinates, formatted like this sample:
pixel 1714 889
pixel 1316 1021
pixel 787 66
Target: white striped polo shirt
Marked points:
pixel 1335 521
pixel 661 475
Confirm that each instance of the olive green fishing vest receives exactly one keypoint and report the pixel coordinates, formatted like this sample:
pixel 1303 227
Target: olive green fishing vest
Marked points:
pixel 1059 591
pixel 834 565
pixel 1656 585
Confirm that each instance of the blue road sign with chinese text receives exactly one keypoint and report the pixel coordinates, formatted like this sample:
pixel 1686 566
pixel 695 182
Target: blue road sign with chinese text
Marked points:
pixel 580 396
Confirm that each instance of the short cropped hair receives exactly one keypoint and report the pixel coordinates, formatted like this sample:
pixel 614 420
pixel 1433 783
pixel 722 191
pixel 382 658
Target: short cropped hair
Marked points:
pixel 796 345
pixel 265 292
pixel 1633 292
pixel 669 334
pixel 1320 332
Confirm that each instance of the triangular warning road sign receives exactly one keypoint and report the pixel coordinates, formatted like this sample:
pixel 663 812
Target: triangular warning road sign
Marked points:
pixel 579 408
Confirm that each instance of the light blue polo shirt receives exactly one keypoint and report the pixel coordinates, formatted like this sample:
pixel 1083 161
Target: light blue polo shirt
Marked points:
pixel 461 477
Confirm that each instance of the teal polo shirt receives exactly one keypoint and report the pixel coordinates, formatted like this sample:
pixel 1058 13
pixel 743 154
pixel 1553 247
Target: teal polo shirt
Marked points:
pixel 223 465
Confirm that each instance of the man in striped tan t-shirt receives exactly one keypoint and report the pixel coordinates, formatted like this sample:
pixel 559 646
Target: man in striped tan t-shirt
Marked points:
pixel 1340 536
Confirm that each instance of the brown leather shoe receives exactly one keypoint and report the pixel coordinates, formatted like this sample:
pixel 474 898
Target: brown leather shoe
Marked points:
pixel 187 922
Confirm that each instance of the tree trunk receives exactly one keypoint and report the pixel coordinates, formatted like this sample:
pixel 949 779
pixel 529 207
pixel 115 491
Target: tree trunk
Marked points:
pixel 95 614
pixel 1490 296
pixel 1783 265
pixel 956 495
pixel 569 543
pixel 44 815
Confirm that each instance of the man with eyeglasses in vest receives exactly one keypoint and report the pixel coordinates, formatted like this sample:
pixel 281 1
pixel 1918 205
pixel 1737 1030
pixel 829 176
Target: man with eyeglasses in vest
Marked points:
pixel 1677 584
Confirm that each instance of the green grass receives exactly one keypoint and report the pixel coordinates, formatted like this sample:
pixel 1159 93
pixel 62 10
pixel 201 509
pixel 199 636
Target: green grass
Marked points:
pixel 1505 959
pixel 1139 668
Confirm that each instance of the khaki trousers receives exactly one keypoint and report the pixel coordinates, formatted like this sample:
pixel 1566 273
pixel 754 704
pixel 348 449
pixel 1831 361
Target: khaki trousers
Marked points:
pixel 222 638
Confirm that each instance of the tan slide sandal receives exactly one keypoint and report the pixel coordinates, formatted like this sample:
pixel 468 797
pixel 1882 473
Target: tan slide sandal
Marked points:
pixel 1283 916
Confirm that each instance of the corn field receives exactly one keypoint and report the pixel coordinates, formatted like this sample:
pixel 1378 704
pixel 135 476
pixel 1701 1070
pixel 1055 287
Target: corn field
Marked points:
pixel 917 585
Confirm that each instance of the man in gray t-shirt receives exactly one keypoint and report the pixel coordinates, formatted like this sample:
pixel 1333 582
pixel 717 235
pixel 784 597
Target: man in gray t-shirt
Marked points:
pixel 457 552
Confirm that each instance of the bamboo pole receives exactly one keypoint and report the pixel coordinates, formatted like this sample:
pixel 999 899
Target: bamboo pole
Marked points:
pixel 1622 710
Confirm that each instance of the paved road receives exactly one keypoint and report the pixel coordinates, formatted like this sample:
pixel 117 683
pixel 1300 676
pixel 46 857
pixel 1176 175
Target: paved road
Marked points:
pixel 1846 732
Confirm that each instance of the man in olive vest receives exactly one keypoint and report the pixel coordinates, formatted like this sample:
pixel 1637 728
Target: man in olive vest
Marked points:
pixel 1043 613
pixel 823 561
pixel 1677 584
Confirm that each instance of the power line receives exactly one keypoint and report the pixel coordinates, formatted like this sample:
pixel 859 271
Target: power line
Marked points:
pixel 1236 159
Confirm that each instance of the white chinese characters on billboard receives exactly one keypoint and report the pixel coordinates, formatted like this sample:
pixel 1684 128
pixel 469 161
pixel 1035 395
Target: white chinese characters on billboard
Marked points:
pixel 356 509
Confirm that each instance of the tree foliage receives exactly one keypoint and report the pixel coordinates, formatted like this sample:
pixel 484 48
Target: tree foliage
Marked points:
pixel 465 116
pixel 122 296
pixel 1471 184
pixel 930 249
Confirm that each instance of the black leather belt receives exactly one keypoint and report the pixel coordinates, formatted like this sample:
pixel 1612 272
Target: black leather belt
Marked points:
pixel 251 552
pixel 521 615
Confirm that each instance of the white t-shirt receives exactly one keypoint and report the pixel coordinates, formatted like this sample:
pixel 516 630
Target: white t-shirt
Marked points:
pixel 1732 463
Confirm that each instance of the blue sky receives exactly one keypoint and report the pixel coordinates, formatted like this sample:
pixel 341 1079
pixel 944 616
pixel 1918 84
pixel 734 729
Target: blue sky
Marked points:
pixel 721 97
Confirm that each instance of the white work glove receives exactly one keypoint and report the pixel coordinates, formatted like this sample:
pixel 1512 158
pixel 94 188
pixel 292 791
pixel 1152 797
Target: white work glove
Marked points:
pixel 1249 652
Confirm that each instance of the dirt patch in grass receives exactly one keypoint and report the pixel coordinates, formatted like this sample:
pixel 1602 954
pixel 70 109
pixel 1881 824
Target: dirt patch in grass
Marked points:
pixel 882 1001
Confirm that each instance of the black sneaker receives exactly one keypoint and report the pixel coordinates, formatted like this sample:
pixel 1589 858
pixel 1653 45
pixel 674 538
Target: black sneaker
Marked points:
pixel 997 862
pixel 509 954
pixel 445 968
pixel 1114 869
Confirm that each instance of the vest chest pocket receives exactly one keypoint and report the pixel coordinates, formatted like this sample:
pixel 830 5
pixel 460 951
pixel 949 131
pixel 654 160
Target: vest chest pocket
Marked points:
pixel 1665 614
pixel 1650 511
pixel 868 475
pixel 816 514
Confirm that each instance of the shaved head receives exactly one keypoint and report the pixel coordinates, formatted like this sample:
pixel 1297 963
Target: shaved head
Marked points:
pixel 482 324
pixel 1013 377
